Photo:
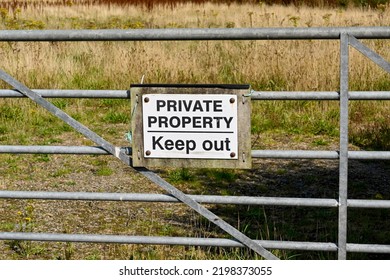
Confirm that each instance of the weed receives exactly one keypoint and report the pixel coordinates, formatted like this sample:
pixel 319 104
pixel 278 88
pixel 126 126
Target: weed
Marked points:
pixel 68 250
pixel 102 167
pixel 7 226
pixel 320 142
pixel 9 112
pixel 221 176
pixel 326 18
pixel 3 129
pixel 294 20
pixel 116 117
pixel 374 137
pixel 104 171
pixel 25 222
pixel 180 175
pixel 42 158
pixel 61 172
pixel 60 103
pixel 94 256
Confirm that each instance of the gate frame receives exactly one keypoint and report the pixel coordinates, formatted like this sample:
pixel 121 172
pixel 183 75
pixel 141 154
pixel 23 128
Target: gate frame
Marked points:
pixel 348 37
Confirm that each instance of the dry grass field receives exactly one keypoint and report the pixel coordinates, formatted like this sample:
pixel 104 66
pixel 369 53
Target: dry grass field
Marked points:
pixel 265 65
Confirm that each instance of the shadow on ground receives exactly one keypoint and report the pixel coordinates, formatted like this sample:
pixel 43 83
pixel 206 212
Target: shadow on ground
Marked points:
pixel 303 179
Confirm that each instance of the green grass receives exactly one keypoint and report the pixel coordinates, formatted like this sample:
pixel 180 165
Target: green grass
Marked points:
pixel 114 117
pixel 180 175
pixel 104 171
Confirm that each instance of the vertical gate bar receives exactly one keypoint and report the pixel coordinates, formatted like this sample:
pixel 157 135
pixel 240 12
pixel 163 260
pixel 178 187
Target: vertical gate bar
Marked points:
pixel 343 163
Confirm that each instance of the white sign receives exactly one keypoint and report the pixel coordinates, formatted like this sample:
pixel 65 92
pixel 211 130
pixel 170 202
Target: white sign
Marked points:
pixel 193 126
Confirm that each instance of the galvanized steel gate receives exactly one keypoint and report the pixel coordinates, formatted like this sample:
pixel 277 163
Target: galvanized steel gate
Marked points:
pixel 348 37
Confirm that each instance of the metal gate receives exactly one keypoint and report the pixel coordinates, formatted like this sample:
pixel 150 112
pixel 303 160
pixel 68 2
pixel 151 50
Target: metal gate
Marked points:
pixel 347 37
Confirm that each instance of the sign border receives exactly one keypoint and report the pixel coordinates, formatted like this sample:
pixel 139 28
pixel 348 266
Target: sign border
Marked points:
pixel 244 160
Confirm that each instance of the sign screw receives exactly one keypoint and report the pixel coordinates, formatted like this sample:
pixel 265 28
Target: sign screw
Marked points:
pixel 232 100
pixel 232 154
pixel 148 153
pixel 146 99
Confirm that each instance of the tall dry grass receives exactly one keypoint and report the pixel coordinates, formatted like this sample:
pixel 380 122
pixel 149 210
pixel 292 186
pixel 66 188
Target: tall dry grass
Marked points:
pixel 150 4
pixel 275 65
pixel 301 65
pixel 266 65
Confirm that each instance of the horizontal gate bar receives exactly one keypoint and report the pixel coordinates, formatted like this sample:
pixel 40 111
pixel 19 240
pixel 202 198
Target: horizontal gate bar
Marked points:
pixel 164 240
pixel 255 95
pixel 294 95
pixel 314 154
pixel 368 248
pixel 145 197
pixel 364 203
pixel 207 199
pixel 283 154
pixel 69 93
pixel 369 155
pixel 318 95
pixel 190 241
pixel 369 95
pixel 77 150
pixel 195 34
pixel 295 154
